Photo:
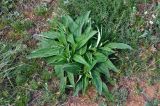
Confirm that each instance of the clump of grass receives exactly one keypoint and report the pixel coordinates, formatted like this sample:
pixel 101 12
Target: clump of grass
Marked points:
pixel 6 6
pixel 22 25
pixel 19 78
pixel 113 16
pixel 41 9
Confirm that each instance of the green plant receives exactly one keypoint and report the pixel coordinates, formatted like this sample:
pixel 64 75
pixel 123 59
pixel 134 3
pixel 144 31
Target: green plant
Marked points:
pixel 6 6
pixel 13 73
pixel 41 10
pixel 7 12
pixel 120 95
pixel 21 25
pixel 18 77
pixel 7 57
pixel 79 56
pixel 8 65
pixel 114 16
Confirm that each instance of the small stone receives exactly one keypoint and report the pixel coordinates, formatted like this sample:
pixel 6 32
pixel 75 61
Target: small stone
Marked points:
pixel 145 12
pixel 151 22
pixel 153 16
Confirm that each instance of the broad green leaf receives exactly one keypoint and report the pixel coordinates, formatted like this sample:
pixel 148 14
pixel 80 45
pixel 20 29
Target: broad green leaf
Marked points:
pixel 67 53
pixel 79 87
pixel 103 68
pixel 89 56
pixel 49 43
pixel 87 71
pixel 92 65
pixel 80 59
pixel 107 49
pixel 62 38
pixel 85 38
pixel 111 65
pixel 97 81
pixel 81 20
pixel 61 27
pixel 44 52
pixel 67 20
pixel 82 50
pixel 72 68
pixel 63 81
pixel 118 46
pixel 88 28
pixel 70 39
pixel 58 59
pixel 85 84
pixel 100 57
pixel 71 79
pixel 73 26
pixel 106 92
pixel 59 71
pixel 50 35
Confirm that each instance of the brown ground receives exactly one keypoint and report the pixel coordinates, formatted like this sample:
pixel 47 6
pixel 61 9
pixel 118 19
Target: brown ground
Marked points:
pixel 139 90
pixel 139 93
pixel 139 98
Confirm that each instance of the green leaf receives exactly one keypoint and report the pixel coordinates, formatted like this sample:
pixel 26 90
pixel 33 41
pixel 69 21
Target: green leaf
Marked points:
pixel 111 66
pixel 49 43
pixel 62 38
pixel 88 28
pixel 73 26
pixel 44 52
pixel 93 64
pixel 63 82
pixel 83 18
pixel 118 46
pixel 79 87
pixel 71 79
pixel 80 59
pixel 67 20
pixel 59 71
pixel 85 84
pixel 89 57
pixel 72 68
pixel 81 21
pixel 103 68
pixel 82 50
pixel 70 39
pixel 84 39
pixel 97 81
pixel 58 59
pixel 106 92
pixel 50 35
pixel 107 49
pixel 67 53
pixel 100 57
